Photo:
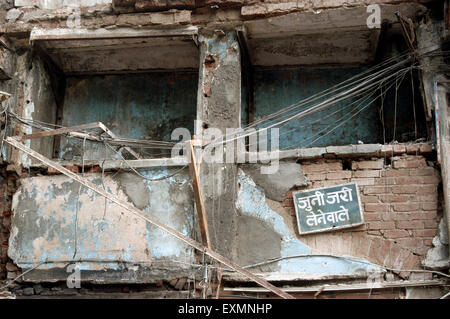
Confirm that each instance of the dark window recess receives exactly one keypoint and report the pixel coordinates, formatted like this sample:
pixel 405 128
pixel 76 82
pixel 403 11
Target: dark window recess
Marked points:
pixel 142 106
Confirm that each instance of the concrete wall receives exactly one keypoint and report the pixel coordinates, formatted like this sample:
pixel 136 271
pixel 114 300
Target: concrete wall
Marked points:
pixel 252 219
pixel 146 106
pixel 276 89
pixel 33 98
pixel 57 222
pixel 279 88
pixel 56 4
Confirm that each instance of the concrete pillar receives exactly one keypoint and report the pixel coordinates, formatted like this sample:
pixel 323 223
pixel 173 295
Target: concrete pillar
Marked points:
pixel 443 139
pixel 219 107
pixel 429 37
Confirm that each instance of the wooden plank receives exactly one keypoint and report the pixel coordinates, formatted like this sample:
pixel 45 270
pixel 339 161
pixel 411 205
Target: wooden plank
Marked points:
pixel 358 286
pixel 111 134
pixel 199 204
pixel 72 130
pixel 4 96
pixel 143 163
pixel 62 130
pixel 133 210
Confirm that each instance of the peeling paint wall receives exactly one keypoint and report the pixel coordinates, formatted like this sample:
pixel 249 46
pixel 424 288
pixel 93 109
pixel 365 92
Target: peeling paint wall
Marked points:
pixel 280 88
pixel 252 247
pixel 401 209
pixel 250 217
pixel 148 106
pixel 57 222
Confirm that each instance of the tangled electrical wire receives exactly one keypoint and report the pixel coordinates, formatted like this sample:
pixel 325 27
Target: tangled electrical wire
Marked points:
pixel 351 97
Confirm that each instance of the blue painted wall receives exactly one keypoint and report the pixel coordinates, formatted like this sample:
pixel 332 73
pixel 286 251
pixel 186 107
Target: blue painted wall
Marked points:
pixel 279 88
pixel 58 222
pixel 147 105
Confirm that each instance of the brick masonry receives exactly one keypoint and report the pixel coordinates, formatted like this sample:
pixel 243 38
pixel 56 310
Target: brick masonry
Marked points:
pixel 401 209
pixel 8 186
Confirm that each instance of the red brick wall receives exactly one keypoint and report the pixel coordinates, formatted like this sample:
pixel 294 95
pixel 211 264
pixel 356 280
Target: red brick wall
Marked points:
pixel 401 209
pixel 7 188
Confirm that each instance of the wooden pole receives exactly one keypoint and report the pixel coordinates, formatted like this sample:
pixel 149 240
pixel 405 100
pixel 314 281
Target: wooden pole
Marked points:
pixel 130 208
pixel 199 204
pixel 73 130
pixel 443 144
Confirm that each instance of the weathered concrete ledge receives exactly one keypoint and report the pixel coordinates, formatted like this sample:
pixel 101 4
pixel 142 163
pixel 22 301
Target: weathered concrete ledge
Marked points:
pixel 376 150
pixel 129 274
pixel 273 276
pixel 358 150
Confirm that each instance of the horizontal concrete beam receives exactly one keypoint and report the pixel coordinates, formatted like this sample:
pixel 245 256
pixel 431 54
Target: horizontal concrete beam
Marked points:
pixel 101 33
pixel 345 287
pixel 375 150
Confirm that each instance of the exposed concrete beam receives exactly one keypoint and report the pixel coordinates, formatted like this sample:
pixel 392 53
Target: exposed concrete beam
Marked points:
pixel 350 287
pixel 101 33
pixel 247 72
pixel 443 139
pixel 428 40
pixel 83 51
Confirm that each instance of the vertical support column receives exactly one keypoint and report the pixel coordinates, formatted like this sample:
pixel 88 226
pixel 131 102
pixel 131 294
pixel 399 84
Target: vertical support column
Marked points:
pixel 444 143
pixel 219 107
pixel 435 100
pixel 428 40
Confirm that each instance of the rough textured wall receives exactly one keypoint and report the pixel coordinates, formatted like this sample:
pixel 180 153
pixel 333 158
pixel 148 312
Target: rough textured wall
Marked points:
pixel 401 209
pixel 277 89
pixel 57 222
pixel 147 106
pixel 32 97
pixel 56 4
pixel 20 18
pixel 218 107
pixel 39 103
pixel 404 228
pixel 8 185
pixel 265 232
pixel 254 7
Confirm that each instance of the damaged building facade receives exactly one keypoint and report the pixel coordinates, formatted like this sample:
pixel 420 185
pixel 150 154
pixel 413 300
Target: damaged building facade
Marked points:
pixel 356 89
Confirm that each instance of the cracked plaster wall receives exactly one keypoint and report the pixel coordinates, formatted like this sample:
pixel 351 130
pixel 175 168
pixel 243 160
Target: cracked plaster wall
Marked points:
pixel 48 226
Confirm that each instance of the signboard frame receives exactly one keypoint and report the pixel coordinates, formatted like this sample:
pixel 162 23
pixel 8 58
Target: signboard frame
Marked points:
pixel 361 211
